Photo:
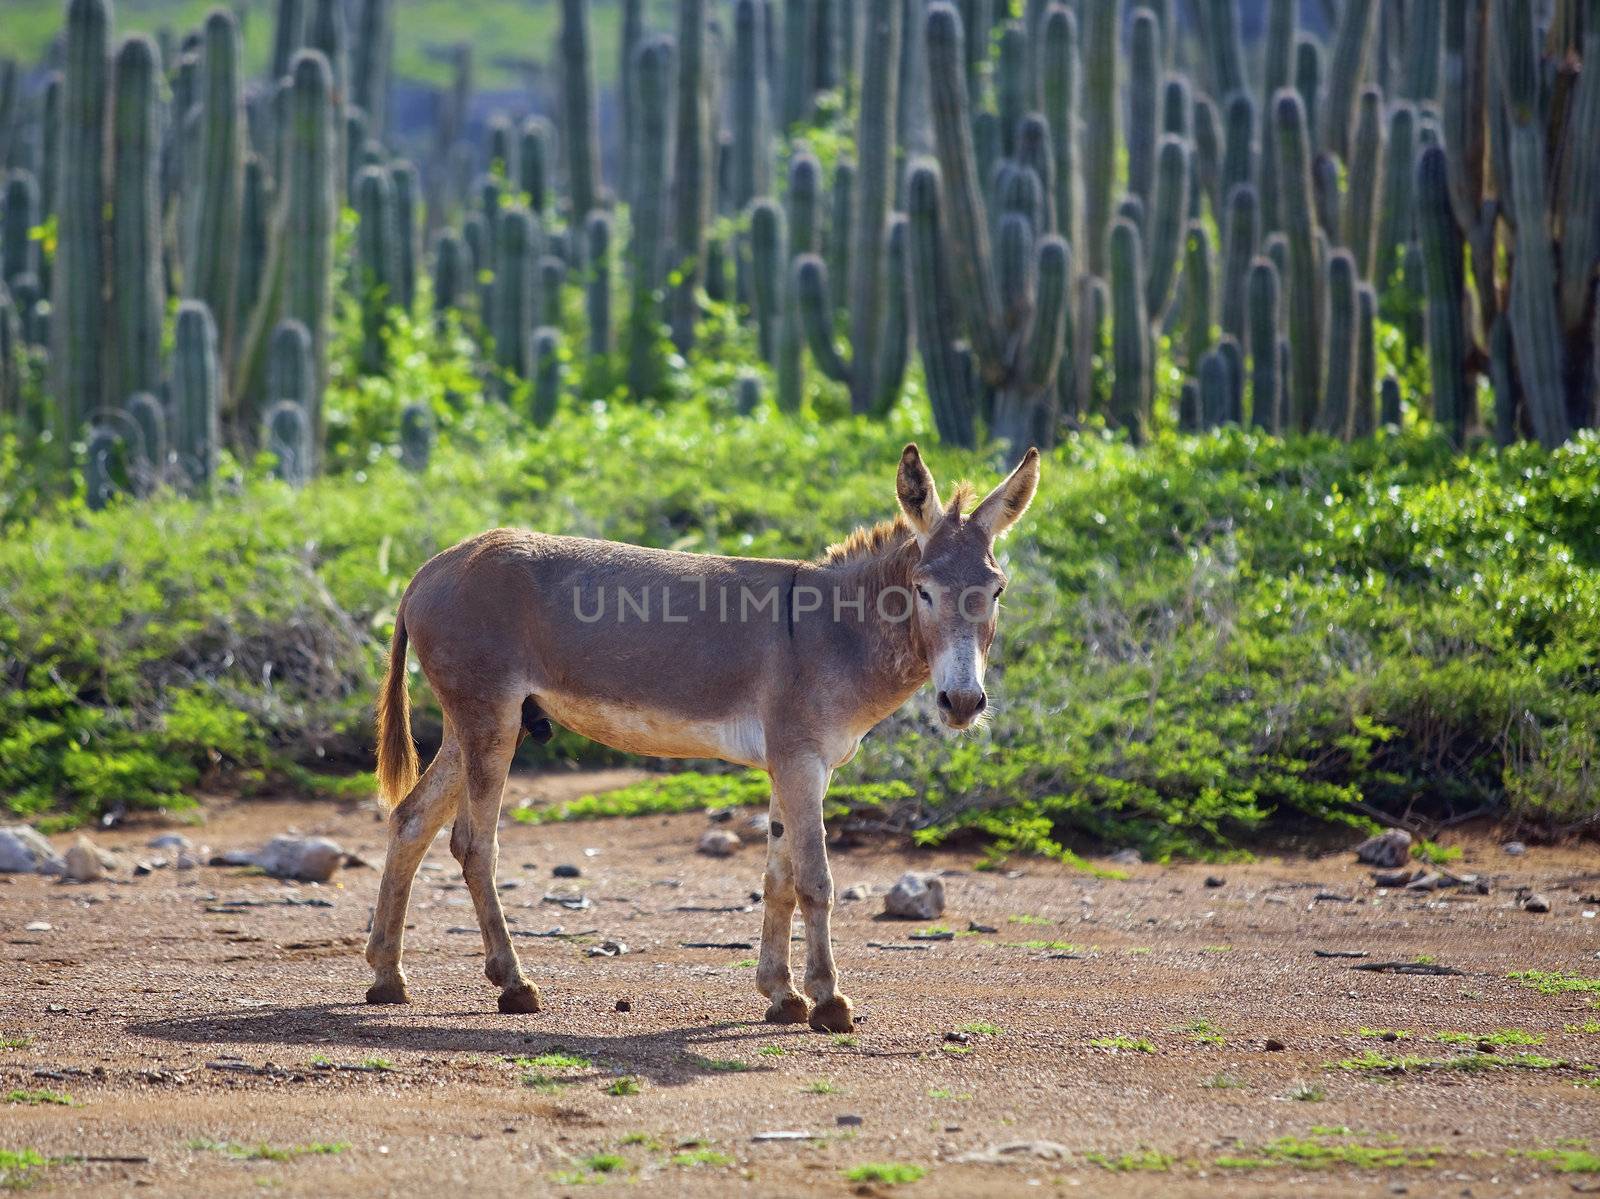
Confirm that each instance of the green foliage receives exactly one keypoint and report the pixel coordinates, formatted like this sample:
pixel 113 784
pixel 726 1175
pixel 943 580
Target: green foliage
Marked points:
pixel 885 1173
pixel 1307 1154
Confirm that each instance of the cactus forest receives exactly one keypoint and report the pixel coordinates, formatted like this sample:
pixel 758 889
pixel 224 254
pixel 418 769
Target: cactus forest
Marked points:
pixel 1299 299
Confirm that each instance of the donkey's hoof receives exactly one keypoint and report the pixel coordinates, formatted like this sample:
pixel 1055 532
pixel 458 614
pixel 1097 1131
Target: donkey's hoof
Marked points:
pixel 833 1015
pixel 523 1000
pixel 791 1009
pixel 388 992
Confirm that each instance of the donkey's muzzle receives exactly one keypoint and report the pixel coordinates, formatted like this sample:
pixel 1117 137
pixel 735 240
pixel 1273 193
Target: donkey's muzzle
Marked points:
pixel 961 708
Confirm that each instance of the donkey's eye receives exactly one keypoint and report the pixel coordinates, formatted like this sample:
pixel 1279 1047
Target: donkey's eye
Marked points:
pixel 926 598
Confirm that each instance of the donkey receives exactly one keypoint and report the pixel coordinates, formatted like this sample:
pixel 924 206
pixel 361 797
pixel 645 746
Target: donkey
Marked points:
pixel 777 665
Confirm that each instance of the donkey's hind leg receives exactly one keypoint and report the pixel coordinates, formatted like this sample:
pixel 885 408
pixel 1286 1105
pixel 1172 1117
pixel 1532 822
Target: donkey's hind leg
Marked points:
pixel 489 737
pixel 413 824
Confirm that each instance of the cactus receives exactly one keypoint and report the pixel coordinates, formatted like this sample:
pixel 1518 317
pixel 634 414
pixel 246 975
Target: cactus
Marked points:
pixel 1399 174
pixel 1338 396
pixel 196 395
pixel 1059 86
pixel 1176 104
pixel 502 149
pixel 1365 182
pixel 406 184
pixel 416 437
pixel 597 282
pixel 147 467
pixel 213 255
pixel 311 211
pixel 354 144
pixel 1326 195
pixel 1502 375
pixel 377 261
pixel 1446 294
pixel 1304 280
pixel 1144 81
pixel 1308 79
pixel 545 369
pixel 580 127
pixel 1220 32
pixel 1199 287
pixel 1352 50
pixel 1189 407
pixel 1389 402
pixel 11 351
pixel 533 162
pixel 1165 224
pixel 290 368
pixel 752 147
pixel 1578 191
pixel 805 186
pixel 1277 74
pixel 1130 333
pixel 767 274
pixel 102 456
pixel 78 313
pixel 1012 98
pixel 19 215
pixel 1233 359
pixel 50 108
pixel 841 205
pixel 1100 104
pixel 1420 80
pixel 1463 104
pixel 453 270
pixel 1363 416
pixel 289 34
pixel 646 250
pixel 1215 389
pixel 138 286
pixel 946 365
pixel 518 241
pixel 255 243
pixel 550 272
pixel 1238 158
pixel 373 50
pixel 747 393
pixel 1240 233
pixel 691 174
pixel 1266 385
pixel 286 435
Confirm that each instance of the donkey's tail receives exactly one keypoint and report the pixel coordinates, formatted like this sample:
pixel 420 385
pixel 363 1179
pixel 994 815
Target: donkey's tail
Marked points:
pixel 397 753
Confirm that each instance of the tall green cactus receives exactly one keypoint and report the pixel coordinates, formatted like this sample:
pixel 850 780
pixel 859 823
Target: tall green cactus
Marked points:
pixel 372 52
pixel 1220 29
pixel 406 183
pixel 291 389
pixel 767 274
pixel 947 366
pixel 805 199
pixel 1420 80
pixel 1164 224
pixel 693 138
pixel 1277 74
pixel 1304 280
pixel 150 465
pixel 752 144
pixel 1130 334
pixel 1338 393
pixel 1399 174
pixel 1352 50
pixel 416 437
pixel 842 202
pixel 196 395
pixel 597 282
pixel 377 278
pixel 877 362
pixel 1199 287
pixel 1102 27
pixel 550 274
pixel 138 286
pixel 11 351
pixel 290 368
pixel 1240 233
pixel 546 369
pixel 19 216
pixel 288 35
pixel 1266 385
pixel 213 256
pixel 580 125
pixel 518 241
pixel 78 312
pixel 647 247
pixel 1144 84
pixel 1327 195
pixel 1365 182
pixel 1446 294
pixel 533 162
pixel 453 271
pixel 1059 73
pixel 1578 188
pixel 255 244
pixel 1239 157
pixel 1215 389
pixel 310 217
pixel 1363 417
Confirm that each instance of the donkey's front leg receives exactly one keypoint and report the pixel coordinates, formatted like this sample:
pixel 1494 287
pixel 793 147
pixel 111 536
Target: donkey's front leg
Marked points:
pixel 800 785
pixel 773 976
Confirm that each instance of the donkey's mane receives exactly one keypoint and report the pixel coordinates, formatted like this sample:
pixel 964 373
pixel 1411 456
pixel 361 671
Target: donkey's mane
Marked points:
pixel 886 535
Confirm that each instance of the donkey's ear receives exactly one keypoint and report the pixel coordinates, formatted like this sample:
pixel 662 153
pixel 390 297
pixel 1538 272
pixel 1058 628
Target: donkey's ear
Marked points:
pixel 1004 506
pixel 919 498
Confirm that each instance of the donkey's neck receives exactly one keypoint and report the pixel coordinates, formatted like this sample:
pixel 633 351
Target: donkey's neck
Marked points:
pixel 892 660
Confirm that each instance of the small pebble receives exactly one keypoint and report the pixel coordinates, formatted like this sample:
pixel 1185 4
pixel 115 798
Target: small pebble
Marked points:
pixel 1536 903
pixel 848 1121
pixel 1274 1045
pixel 38 926
pixel 718 843
pixel 624 1005
pixel 1213 881
pixel 566 871
pixel 1514 848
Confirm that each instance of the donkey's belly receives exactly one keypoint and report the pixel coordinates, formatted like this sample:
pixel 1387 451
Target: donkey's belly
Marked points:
pixel 640 730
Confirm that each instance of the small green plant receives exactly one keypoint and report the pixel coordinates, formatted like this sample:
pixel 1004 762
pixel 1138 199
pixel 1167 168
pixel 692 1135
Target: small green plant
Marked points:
pixel 1501 1036
pixel 1384 1034
pixel 743 964
pixel 1308 1093
pixel 1563 1161
pixel 1555 982
pixel 263 1152
pixel 946 1093
pixel 1053 946
pixel 1313 1155
pixel 955 1050
pixel 1027 919
pixel 1216 949
pixel 885 1173
pixel 1592 1026
pixel 701 1157
pixel 1222 1082
pixel 772 1051
pixel 625 1085
pixel 15 1042
pixel 1435 854
pixel 40 1098
pixel 553 1059
pixel 1128 1044
pixel 642 1139
pixel 1203 1032
pixel 377 1063
pixel 721 1065
pixel 1138 1160
pixel 845 1040
pixel 17 1166
pixel 982 1028
pixel 821 1086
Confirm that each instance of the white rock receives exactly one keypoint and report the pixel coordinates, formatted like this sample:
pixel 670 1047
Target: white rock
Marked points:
pixel 718 843
pixel 856 891
pixel 173 841
pixel 1392 848
pixel 87 862
pixel 1047 1151
pixel 23 851
pixel 308 859
pixel 915 897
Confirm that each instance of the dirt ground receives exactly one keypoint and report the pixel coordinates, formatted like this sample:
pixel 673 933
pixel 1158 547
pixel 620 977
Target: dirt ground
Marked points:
pixel 221 1047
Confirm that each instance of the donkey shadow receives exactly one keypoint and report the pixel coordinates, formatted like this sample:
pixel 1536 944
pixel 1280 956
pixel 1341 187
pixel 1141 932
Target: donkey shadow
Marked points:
pixel 672 1057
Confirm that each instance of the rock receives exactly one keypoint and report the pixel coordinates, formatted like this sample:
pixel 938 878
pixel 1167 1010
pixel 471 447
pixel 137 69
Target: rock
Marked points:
pixel 1046 1151
pixel 757 825
pixel 1427 880
pixel 1536 903
pixel 958 1038
pixel 719 815
pixel 783 1135
pixel 1274 1045
pixel 173 841
pixel 849 1121
pixel 87 863
pixel 974 927
pixel 915 897
pixel 1213 881
pixel 1396 878
pixel 23 851
pixel 1125 857
pixel 856 891
pixel 718 843
pixel 1391 849
pixel 306 859
pixel 1390 1036
pixel 566 872
pixel 608 949
pixel 1514 848
pixel 37 926
pixel 142 867
pixel 624 1005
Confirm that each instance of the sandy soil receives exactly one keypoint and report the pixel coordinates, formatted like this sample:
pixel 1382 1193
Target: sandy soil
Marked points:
pixel 191 1030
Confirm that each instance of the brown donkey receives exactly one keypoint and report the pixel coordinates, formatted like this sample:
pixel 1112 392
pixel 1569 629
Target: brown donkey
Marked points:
pixel 782 666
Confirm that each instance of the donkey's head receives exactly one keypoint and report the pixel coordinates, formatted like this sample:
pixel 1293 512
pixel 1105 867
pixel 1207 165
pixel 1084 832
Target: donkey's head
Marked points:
pixel 957 582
